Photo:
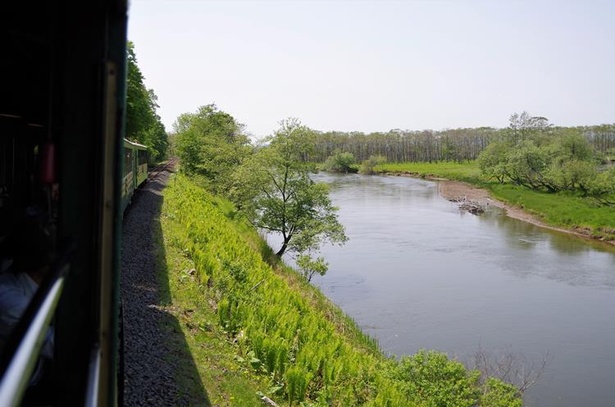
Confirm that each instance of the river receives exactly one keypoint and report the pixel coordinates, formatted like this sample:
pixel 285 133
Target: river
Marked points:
pixel 418 273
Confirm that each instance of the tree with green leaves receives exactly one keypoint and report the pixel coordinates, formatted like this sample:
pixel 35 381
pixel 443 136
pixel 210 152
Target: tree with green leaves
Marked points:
pixel 310 266
pixel 539 156
pixel 143 125
pixel 210 145
pixel 274 187
pixel 524 126
pixel 369 166
pixel 340 162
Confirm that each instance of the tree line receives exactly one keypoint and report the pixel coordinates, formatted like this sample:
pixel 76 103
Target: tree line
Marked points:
pixel 434 146
pixel 143 125
pixel 530 152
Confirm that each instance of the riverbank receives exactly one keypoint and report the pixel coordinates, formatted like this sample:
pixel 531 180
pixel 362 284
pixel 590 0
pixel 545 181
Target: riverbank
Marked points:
pixel 462 191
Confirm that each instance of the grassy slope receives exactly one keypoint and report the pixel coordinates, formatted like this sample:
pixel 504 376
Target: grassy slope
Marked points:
pixel 560 210
pixel 250 327
pixel 221 360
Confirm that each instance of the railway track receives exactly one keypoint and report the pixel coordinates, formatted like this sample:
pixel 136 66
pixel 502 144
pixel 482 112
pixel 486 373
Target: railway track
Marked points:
pixel 161 168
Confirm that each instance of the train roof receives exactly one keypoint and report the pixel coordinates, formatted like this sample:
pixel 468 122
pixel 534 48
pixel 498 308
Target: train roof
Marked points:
pixel 128 143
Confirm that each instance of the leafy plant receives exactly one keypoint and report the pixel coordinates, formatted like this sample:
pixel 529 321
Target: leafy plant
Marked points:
pixel 340 162
pixel 309 266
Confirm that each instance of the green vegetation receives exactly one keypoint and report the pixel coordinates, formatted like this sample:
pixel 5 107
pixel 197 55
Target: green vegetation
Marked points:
pixel 467 171
pixel 533 154
pixel 340 162
pixel 556 174
pixel 455 145
pixel 277 335
pixel 143 125
pixel 274 189
pixel 210 145
pixel 254 328
pixel 270 183
pixel 564 210
pixel 372 165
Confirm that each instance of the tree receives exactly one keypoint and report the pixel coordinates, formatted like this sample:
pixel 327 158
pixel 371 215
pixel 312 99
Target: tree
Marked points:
pixel 340 162
pixel 275 189
pixel 143 125
pixel 526 165
pixel 368 166
pixel 310 266
pixel 523 126
pixel 210 144
pixel 492 161
pixel 602 187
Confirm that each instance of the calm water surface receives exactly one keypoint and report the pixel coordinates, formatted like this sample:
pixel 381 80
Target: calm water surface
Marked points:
pixel 419 274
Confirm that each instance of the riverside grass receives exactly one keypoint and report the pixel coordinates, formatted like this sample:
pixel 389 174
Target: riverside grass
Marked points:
pixel 259 328
pixel 562 210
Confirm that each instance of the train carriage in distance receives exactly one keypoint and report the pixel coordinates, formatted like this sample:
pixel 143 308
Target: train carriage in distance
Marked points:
pixel 135 170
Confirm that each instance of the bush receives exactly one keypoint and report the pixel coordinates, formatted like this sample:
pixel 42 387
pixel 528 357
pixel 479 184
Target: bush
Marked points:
pixel 431 379
pixel 340 162
pixel 368 166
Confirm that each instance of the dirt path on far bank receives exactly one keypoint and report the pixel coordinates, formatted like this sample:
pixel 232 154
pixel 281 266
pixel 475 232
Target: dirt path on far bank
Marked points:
pixel 456 191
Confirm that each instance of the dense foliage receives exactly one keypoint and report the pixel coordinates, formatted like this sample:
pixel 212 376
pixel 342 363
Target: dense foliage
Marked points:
pixel 210 145
pixel 143 125
pixel 340 161
pixel 275 189
pixel 455 145
pixel 286 332
pixel 534 154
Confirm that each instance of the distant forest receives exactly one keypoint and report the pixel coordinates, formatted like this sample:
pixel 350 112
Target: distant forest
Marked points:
pixel 446 145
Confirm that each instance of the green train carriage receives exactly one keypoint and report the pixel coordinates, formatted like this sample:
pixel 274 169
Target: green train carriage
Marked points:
pixel 135 170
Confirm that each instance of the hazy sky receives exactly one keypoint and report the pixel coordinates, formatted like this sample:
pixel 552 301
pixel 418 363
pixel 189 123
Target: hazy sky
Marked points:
pixel 379 65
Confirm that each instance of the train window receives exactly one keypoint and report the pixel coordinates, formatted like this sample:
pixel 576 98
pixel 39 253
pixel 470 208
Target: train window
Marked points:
pixel 28 214
pixel 142 157
pixel 127 161
pixel 33 255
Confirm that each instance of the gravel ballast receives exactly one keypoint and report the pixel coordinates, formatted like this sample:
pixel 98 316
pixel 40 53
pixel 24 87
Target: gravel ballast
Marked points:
pixel 149 367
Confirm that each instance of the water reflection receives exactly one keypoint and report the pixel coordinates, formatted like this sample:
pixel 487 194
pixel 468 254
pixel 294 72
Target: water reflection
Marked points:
pixel 559 256
pixel 530 234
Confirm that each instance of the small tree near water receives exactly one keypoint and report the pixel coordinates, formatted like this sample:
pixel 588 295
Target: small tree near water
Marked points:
pixel 275 189
pixel 368 166
pixel 309 266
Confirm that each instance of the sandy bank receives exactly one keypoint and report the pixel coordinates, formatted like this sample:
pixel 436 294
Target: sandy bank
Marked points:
pixel 456 190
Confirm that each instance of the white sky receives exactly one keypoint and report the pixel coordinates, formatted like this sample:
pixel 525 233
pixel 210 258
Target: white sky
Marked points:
pixel 379 65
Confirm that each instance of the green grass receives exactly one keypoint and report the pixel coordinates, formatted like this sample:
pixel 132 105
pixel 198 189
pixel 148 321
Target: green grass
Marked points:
pixel 249 325
pixel 561 210
pixel 466 171
pixel 225 382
